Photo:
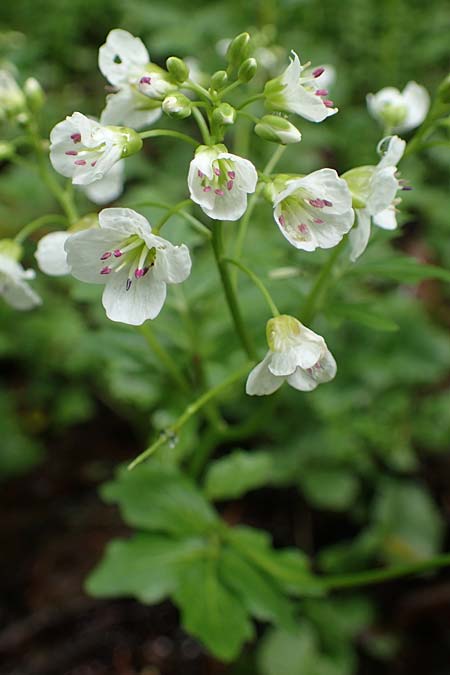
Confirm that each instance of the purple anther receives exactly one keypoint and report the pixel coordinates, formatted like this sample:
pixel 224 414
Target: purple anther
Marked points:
pixel 106 255
pixel 76 138
pixel 302 228
pixel 117 253
pixel 80 162
pixel 106 270
pixel 318 72
pixel 217 171
pixel 200 174
pixel 220 193
pixel 128 284
pixel 282 221
pixel 71 152
pixel 328 103
pixel 230 185
pixel 319 221
pixel 327 203
pixel 317 203
pixel 406 188
pixel 231 174
pixel 321 92
pixel 139 273
pixel 207 188
pixel 145 80
pixel 93 163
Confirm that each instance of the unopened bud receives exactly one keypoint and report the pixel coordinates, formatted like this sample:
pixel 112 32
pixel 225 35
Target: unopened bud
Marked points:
pixel 130 140
pixel 219 79
pixel 238 50
pixel 278 130
pixel 177 105
pixel 34 94
pixel 225 114
pixel 247 71
pixel 177 69
pixel 444 90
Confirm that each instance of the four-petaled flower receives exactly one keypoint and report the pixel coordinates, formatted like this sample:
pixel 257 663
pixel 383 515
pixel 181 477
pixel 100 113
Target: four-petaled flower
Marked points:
pixel 134 264
pixel 219 182
pixel 314 211
pixel 374 189
pixel 123 60
pixel 292 92
pixel 296 354
pixel 13 278
pixel 84 150
pixel 397 110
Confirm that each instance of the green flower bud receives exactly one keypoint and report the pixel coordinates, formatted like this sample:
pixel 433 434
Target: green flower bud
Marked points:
pixel 131 141
pixel 34 94
pixel 444 90
pixel 177 106
pixel 278 130
pixel 358 180
pixel 11 248
pixel 238 50
pixel 225 114
pixel 247 71
pixel 177 69
pixel 219 79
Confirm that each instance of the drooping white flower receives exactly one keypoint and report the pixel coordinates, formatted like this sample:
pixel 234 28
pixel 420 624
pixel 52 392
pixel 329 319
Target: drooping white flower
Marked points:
pixel 84 150
pixel 13 278
pixel 51 255
pixel 108 188
pixel 375 189
pixel 299 94
pixel 400 110
pixel 296 354
pixel 314 211
pixel 134 264
pixel 123 60
pixel 12 98
pixel 219 182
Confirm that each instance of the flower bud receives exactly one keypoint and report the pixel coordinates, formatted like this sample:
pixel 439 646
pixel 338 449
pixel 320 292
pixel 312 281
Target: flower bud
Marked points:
pixel 358 182
pixel 444 90
pixel 247 71
pixel 12 98
pixel 156 84
pixel 237 50
pixel 130 140
pixel 11 249
pixel 225 114
pixel 219 79
pixel 177 69
pixel 177 105
pixel 34 94
pixel 278 130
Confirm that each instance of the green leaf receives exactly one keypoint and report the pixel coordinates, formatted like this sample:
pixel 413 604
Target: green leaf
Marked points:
pixel 237 473
pixel 401 268
pixel 329 487
pixel 257 591
pixel 154 497
pixel 146 567
pixel 360 314
pixel 288 567
pixel 210 611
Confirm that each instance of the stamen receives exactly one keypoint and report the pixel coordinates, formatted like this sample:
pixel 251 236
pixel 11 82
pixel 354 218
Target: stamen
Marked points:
pixel 217 171
pixel 231 174
pixel 207 188
pixel 317 203
pixel 319 221
pixel 139 273
pixel 328 104
pixel 76 138
pixel 200 174
pixel 282 221
pixel 145 80
pixel 303 228
pixel 128 285
pixel 230 185
pixel 106 255
pixel 80 162
pixel 327 203
pixel 106 270
pixel 93 163
pixel 71 152
pixel 220 193
pixel 321 92
pixel 318 72
pixel 117 253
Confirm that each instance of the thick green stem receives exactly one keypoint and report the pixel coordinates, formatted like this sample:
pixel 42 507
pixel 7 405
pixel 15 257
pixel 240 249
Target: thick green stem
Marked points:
pixel 369 577
pixel 230 294
pixel 154 133
pixel 191 410
pixel 315 296
pixel 37 224
pixel 257 281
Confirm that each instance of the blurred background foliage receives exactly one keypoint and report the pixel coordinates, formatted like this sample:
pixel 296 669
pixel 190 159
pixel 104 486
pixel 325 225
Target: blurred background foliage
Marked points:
pixel 366 453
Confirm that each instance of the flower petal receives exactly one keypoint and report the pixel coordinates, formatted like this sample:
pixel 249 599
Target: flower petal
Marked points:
pixel 173 264
pixel 124 222
pixel 84 251
pixel 359 235
pixel 417 101
pixel 261 381
pixel 130 108
pixel 122 57
pixel 143 300
pixel 51 255
pixel 108 188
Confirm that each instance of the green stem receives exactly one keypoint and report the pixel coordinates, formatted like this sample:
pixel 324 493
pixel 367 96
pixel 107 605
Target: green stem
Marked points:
pixel 369 577
pixel 230 87
pixel 230 294
pixel 312 302
pixel 38 223
pixel 153 133
pixel 416 142
pixel 193 86
pixel 190 411
pixel 256 97
pixel 171 212
pixel 203 127
pixel 257 281
pixel 196 224
pixel 165 358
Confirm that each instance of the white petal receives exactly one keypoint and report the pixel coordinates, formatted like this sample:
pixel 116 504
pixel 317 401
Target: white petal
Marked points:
pixel 108 188
pixel 388 96
pixel 229 206
pixel 383 187
pixel 203 161
pixel 393 153
pixel 246 174
pixel 129 108
pixel 172 264
pixel 84 251
pixel 306 104
pixel 143 300
pixel 291 75
pixel 125 222
pixel 283 363
pixel 261 381
pixel 20 296
pixel 417 101
pixel 122 57
pixel 302 380
pixel 359 235
pixel 386 219
pixel 51 255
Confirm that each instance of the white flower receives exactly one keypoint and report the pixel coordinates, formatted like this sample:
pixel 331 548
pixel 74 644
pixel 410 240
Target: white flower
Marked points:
pixel 84 150
pixel 12 98
pixel 123 60
pixel 375 187
pixel 220 182
pixel 51 255
pixel 292 92
pixel 296 354
pixel 108 188
pixel 13 278
pixel 314 211
pixel 134 264
pixel 400 111
pixel 156 85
